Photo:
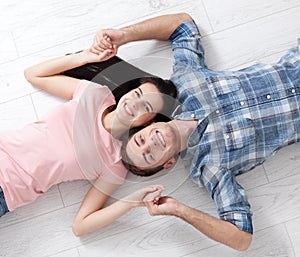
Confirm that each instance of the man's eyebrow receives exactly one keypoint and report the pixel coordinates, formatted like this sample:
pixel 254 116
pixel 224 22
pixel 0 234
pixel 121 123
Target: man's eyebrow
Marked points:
pixel 135 140
pixel 144 155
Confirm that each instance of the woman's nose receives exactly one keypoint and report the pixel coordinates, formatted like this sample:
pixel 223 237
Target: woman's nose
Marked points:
pixel 139 108
pixel 137 103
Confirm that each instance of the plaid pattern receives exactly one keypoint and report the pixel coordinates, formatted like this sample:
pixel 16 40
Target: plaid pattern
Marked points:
pixel 244 117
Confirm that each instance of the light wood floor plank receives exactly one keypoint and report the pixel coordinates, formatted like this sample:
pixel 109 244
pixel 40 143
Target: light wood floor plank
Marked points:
pixel 229 13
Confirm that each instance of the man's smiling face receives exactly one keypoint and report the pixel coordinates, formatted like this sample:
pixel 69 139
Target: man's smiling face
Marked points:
pixel 153 146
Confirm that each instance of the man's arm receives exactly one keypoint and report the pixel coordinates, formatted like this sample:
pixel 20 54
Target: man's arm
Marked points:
pixel 216 229
pixel 160 28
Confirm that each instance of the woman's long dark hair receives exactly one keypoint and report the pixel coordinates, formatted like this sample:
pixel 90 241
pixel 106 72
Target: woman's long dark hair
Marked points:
pixel 114 71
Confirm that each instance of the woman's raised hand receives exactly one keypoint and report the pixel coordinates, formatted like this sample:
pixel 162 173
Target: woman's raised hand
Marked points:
pixel 90 56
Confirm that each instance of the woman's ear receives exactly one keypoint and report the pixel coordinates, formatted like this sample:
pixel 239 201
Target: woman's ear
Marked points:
pixel 170 163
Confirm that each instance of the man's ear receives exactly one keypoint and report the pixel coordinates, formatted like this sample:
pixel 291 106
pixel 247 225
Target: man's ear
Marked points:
pixel 170 163
pixel 148 123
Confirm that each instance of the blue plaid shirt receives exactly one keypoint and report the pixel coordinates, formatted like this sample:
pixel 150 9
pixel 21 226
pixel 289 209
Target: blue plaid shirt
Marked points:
pixel 244 116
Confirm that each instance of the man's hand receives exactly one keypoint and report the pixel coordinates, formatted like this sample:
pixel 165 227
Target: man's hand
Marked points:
pixel 160 206
pixel 107 39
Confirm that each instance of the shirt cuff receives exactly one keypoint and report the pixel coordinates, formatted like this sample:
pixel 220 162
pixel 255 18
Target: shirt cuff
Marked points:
pixel 188 28
pixel 241 220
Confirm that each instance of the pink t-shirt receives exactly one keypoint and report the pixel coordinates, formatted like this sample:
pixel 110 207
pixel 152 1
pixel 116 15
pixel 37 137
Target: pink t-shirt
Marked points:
pixel 70 143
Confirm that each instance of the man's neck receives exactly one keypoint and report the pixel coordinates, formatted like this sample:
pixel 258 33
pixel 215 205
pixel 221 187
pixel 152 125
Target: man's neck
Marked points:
pixel 184 128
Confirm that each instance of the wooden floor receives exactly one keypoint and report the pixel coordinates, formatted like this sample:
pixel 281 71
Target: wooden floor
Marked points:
pixel 235 34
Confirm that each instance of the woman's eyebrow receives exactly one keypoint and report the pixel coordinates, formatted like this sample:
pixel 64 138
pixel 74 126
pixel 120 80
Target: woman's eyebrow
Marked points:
pixel 150 105
pixel 141 91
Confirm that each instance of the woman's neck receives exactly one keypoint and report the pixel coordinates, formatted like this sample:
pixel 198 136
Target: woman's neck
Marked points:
pixel 112 124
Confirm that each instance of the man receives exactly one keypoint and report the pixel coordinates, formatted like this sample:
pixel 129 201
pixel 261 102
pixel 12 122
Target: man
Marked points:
pixel 229 122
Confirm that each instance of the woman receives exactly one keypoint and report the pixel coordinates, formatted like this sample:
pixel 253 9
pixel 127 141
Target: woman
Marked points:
pixel 77 140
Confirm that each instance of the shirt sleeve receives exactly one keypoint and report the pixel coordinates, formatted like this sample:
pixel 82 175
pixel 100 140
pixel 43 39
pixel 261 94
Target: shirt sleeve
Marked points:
pixel 187 47
pixel 230 198
pixel 115 175
pixel 82 85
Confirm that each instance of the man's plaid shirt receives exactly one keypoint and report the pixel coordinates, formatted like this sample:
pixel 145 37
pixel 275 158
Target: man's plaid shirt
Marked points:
pixel 244 117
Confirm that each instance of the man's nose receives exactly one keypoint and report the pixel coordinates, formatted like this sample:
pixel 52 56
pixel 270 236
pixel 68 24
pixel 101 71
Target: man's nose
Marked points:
pixel 146 148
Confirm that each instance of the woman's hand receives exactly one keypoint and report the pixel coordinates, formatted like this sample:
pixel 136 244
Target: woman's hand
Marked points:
pixel 136 198
pixel 90 57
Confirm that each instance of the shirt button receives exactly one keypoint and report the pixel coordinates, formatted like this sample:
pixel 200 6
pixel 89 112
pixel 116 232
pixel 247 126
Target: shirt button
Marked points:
pixel 217 111
pixel 268 96
pixel 242 103
pixel 226 136
pixel 193 115
pixel 293 90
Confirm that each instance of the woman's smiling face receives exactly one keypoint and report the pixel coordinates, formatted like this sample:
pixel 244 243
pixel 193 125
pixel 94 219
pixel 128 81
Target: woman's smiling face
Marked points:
pixel 140 105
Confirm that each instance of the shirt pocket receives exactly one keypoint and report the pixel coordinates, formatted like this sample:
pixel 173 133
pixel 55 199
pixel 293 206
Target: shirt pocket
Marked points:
pixel 239 133
pixel 219 86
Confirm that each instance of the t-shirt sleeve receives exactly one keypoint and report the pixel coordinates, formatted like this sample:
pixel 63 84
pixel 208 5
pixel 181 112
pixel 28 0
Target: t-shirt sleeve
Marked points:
pixel 230 198
pixel 82 85
pixel 187 46
pixel 115 175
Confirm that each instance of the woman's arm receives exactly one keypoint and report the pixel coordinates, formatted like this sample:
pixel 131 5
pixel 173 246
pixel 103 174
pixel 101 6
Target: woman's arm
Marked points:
pixel 91 216
pixel 46 75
